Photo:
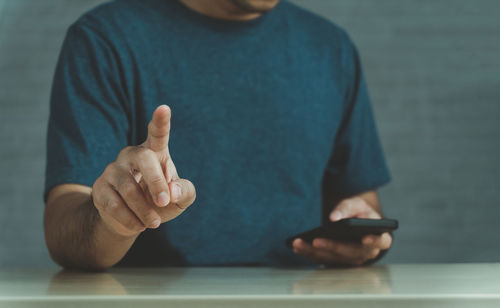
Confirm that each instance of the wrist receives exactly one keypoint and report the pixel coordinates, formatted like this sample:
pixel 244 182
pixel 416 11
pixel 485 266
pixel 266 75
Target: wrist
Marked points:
pixel 110 246
pixel 105 229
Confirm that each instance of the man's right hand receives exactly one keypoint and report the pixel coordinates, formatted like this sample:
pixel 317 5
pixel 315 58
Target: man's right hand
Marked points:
pixel 142 189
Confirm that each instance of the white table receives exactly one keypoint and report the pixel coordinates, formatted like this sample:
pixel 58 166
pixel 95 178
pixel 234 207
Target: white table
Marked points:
pixel 435 285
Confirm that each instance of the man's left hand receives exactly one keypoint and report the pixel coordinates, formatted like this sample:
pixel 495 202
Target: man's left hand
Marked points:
pixel 330 252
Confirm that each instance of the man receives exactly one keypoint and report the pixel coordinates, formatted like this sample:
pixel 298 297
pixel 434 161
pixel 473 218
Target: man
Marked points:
pixel 260 104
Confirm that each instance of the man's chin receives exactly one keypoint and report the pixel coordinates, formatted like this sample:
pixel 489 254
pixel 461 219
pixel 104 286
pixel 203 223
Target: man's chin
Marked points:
pixel 256 6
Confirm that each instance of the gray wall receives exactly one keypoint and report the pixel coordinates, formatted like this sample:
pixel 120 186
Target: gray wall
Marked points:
pixel 434 72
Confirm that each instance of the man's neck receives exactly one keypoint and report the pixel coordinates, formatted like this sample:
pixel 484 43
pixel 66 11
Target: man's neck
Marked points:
pixel 220 9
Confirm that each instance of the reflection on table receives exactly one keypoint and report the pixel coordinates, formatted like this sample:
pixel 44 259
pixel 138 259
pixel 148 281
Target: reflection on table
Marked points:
pixel 430 285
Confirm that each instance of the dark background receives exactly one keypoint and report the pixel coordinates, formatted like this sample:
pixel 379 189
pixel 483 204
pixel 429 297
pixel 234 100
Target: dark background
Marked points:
pixel 433 68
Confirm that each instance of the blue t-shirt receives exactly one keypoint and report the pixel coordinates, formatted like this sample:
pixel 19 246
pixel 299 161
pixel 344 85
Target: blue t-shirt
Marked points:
pixel 271 121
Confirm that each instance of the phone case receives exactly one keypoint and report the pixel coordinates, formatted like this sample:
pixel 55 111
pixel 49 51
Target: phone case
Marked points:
pixel 349 230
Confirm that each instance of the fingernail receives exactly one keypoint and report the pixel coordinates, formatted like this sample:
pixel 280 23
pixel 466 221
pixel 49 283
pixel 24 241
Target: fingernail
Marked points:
pixel 163 198
pixel 176 192
pixel 368 241
pixel 156 223
pixel 336 215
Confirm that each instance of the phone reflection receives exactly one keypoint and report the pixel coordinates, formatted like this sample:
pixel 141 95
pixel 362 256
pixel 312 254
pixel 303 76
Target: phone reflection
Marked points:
pixel 356 280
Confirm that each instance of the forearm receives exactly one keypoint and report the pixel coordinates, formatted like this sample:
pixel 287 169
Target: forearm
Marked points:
pixel 76 236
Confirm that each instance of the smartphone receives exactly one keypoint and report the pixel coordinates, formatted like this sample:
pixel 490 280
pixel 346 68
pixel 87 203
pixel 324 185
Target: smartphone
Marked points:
pixel 348 230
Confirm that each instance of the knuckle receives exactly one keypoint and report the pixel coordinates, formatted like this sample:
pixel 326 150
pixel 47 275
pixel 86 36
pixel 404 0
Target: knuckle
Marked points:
pixel 111 207
pixel 126 151
pixel 98 194
pixel 157 181
pixel 120 182
pixel 97 184
pixel 111 170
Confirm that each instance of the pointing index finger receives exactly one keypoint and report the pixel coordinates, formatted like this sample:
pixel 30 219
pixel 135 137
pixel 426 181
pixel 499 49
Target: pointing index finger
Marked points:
pixel 159 129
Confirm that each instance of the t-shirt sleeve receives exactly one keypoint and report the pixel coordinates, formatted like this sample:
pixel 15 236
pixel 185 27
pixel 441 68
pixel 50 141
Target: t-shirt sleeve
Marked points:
pixel 357 163
pixel 88 123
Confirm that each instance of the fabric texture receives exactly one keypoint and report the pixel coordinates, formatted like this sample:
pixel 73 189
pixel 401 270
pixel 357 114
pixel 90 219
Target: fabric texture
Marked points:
pixel 271 121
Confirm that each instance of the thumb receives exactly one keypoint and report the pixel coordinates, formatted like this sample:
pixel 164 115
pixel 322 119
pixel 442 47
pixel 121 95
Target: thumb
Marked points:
pixel 353 207
pixel 159 129
pixel 183 192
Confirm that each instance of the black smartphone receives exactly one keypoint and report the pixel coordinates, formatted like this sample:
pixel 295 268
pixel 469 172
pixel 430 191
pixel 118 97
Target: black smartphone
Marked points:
pixel 349 230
